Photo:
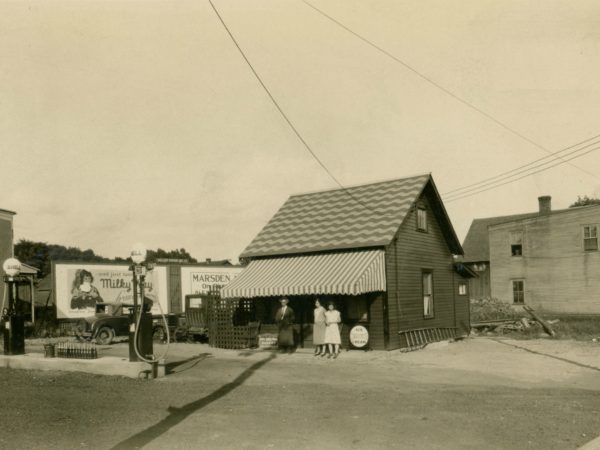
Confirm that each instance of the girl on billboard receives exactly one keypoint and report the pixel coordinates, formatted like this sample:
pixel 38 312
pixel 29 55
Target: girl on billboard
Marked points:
pixel 84 294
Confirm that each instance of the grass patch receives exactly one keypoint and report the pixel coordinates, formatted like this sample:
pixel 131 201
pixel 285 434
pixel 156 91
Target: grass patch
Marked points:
pixel 580 328
pixel 485 309
pixel 577 328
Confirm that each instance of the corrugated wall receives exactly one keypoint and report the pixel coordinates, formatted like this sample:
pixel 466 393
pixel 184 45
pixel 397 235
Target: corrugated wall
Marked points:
pixel 174 288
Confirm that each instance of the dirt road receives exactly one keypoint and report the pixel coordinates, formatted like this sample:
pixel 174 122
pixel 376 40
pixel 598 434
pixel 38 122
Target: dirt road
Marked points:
pixel 467 395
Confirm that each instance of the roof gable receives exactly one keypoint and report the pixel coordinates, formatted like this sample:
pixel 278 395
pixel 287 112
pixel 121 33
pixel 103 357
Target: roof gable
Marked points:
pixel 476 243
pixel 355 217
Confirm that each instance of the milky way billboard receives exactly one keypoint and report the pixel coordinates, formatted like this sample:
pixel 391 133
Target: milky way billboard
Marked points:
pixel 79 286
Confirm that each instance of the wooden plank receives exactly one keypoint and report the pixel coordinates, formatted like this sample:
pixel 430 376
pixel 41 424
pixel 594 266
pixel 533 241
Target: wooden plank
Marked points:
pixel 544 324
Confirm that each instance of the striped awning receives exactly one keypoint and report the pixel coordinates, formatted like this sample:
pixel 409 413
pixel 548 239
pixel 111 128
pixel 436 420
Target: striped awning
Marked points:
pixel 347 273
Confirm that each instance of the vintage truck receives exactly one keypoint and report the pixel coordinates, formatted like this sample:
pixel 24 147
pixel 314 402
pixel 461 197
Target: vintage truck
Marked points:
pixel 112 320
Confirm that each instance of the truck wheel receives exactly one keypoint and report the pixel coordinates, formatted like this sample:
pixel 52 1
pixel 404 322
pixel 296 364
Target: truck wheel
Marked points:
pixel 105 336
pixel 159 335
pixel 181 334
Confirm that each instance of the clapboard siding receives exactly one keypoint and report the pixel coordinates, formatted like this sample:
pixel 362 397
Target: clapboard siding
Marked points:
pixel 462 307
pixel 6 242
pixel 559 275
pixel 411 252
pixel 480 286
pixel 376 329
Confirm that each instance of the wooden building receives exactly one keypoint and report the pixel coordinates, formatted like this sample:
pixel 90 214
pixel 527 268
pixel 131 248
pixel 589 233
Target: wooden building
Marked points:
pixel 477 252
pixel 6 242
pixel 549 260
pixel 383 252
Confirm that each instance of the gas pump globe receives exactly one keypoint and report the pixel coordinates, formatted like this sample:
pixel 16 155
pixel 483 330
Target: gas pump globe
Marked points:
pixel 138 253
pixel 12 267
pixel 140 328
pixel 12 320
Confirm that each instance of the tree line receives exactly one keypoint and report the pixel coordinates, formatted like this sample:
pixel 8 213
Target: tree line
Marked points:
pixel 585 201
pixel 41 254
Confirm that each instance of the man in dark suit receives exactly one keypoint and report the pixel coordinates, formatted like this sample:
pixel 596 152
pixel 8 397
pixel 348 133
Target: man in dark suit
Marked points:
pixel 285 321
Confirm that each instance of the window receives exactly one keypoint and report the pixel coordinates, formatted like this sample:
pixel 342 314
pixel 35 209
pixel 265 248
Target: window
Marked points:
pixel 516 243
pixel 427 294
pixel 518 287
pixel 590 237
pixel 421 219
pixel 462 288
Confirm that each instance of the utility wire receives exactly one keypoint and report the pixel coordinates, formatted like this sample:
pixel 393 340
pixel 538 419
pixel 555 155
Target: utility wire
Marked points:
pixel 503 174
pixel 286 118
pixel 454 197
pixel 519 178
pixel 442 88
pixel 499 178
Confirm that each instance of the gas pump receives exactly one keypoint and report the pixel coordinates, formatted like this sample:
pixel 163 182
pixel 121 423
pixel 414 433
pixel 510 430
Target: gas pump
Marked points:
pixel 140 333
pixel 140 325
pixel 13 320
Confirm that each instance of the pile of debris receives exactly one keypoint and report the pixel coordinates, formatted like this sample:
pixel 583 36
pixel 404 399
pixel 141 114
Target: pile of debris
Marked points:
pixel 521 324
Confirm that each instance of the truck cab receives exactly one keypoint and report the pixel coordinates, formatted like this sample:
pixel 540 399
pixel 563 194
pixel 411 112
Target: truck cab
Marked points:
pixel 109 320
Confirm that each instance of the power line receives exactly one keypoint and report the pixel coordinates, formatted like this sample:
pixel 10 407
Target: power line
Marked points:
pixel 476 186
pixel 442 88
pixel 456 196
pixel 503 174
pixel 284 115
pixel 519 178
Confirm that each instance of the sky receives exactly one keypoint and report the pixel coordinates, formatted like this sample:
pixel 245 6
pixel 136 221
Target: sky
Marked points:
pixel 139 121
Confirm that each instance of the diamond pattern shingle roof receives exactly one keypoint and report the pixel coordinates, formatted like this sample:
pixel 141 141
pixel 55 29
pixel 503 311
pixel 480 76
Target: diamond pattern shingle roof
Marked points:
pixel 361 216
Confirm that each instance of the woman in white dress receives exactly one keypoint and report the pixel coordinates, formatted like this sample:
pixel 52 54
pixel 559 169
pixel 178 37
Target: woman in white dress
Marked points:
pixel 319 329
pixel 332 330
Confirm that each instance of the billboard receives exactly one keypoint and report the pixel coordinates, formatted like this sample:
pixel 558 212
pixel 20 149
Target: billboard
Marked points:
pixel 78 286
pixel 201 279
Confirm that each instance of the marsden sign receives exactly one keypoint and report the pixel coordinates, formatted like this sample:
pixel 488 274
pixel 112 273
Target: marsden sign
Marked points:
pixel 78 286
pixel 200 280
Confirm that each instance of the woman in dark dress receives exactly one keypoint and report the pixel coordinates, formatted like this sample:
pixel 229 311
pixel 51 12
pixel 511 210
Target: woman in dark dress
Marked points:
pixel 285 321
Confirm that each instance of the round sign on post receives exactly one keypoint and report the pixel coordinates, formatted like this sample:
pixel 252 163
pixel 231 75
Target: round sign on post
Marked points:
pixel 359 336
pixel 12 267
pixel 138 253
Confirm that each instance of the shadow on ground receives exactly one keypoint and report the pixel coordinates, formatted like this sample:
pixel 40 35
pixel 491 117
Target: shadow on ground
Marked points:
pixel 177 415
pixel 176 366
